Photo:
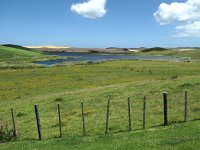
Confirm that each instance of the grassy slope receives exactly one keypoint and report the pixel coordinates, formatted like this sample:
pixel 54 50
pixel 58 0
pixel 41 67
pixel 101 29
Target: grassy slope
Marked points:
pixel 180 136
pixel 8 53
pixel 19 47
pixel 14 56
pixel 194 54
pixel 21 89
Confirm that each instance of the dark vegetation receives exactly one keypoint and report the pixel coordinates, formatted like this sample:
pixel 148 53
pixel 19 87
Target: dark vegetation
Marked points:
pixel 155 49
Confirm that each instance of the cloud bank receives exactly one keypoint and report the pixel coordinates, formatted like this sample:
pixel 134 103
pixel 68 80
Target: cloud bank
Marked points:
pixel 186 16
pixel 90 9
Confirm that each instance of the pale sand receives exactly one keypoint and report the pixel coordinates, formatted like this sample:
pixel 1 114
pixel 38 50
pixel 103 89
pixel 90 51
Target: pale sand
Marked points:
pixel 48 46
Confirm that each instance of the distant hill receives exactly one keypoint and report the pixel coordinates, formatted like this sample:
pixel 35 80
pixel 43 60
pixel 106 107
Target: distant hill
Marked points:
pixel 155 49
pixel 9 51
pixel 16 46
pixel 188 47
pixel 48 47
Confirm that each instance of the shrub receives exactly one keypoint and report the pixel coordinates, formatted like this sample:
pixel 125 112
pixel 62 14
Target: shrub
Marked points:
pixel 5 134
pixel 186 84
pixel 174 77
pixel 20 114
pixel 59 99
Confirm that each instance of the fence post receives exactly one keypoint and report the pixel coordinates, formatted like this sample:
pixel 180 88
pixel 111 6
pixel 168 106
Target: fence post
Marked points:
pixel 59 121
pixel 7 126
pixel 107 115
pixel 129 114
pixel 165 109
pixel 38 122
pixel 83 118
pixel 14 125
pixel 144 112
pixel 186 103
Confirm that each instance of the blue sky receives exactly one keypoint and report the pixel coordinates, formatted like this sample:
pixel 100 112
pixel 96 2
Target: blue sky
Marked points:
pixel 120 23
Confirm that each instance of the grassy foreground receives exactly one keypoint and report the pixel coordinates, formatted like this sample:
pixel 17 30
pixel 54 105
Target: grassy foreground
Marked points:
pixel 92 84
pixel 176 137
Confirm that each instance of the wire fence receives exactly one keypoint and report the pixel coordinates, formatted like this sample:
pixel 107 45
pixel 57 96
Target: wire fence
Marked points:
pixel 122 116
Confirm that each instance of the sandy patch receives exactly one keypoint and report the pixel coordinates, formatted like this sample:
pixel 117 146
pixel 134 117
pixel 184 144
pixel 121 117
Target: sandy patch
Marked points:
pixel 48 46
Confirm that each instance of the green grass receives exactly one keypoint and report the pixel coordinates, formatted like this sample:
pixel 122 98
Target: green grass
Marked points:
pixel 193 54
pixel 13 57
pixel 92 84
pixel 176 137
pixel 18 57
pixel 12 53
pixel 19 47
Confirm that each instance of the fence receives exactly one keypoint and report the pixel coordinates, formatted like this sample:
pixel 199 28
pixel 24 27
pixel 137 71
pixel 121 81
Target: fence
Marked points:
pixel 103 118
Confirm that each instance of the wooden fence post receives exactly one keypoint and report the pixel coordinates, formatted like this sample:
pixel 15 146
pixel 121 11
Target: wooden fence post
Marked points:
pixel 165 109
pixel 129 114
pixel 186 103
pixel 7 126
pixel 59 121
pixel 14 125
pixel 83 118
pixel 144 112
pixel 107 115
pixel 38 122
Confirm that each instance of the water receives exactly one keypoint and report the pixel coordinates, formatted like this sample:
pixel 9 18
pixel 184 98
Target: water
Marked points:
pixel 97 57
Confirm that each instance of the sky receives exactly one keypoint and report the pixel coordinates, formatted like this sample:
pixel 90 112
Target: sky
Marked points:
pixel 101 23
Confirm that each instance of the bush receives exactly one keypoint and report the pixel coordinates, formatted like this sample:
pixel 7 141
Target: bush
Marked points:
pixel 59 99
pixel 5 134
pixel 186 84
pixel 174 77
pixel 20 114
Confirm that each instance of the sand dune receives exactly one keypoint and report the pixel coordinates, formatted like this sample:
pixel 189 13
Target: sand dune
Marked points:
pixel 48 46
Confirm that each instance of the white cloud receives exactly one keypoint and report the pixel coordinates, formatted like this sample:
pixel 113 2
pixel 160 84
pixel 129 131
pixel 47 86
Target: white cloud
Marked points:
pixel 185 15
pixel 189 30
pixel 90 8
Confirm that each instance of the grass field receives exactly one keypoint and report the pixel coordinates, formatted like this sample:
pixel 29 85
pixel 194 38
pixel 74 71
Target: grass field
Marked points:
pixel 18 57
pixel 193 54
pixel 177 137
pixel 92 84
pixel 15 54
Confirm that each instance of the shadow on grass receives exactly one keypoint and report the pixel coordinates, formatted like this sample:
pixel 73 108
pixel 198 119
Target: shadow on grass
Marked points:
pixel 110 132
pixel 194 120
pixel 170 123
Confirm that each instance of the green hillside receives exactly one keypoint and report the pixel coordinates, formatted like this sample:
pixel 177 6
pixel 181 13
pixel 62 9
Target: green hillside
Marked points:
pixel 92 84
pixel 15 56
pixel 16 53
pixel 192 54
pixel 17 46
pixel 175 137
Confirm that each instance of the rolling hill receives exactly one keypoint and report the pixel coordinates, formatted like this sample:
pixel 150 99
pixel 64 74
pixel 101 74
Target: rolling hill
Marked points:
pixel 155 49
pixel 17 46
pixel 9 52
